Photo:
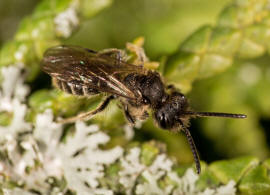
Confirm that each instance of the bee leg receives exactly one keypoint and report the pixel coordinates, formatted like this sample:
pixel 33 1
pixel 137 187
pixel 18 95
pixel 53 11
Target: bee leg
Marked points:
pixel 171 86
pixel 139 52
pixel 172 89
pixel 87 115
pixel 128 116
pixel 192 146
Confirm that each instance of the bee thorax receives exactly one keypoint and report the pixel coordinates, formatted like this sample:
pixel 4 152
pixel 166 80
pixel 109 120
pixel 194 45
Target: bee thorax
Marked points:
pixel 150 87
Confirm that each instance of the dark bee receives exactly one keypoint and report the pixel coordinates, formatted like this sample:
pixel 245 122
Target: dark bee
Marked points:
pixel 84 72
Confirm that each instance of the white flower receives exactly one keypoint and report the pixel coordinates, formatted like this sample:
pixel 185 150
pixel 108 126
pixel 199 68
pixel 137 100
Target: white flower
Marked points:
pixel 12 85
pixel 66 21
pixel 48 133
pixel 228 189
pixel 129 132
pixel 131 169
pixel 151 186
pixel 187 185
pixel 88 165
pixel 161 163
pixel 16 191
pixel 11 96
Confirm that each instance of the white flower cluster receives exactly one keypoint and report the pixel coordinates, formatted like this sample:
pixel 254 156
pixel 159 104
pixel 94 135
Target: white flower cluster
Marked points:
pixel 162 166
pixel 34 155
pixel 88 166
pixel 43 154
pixel 67 21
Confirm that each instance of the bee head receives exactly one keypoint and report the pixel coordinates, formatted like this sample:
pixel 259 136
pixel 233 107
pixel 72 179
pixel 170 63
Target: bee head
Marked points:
pixel 168 113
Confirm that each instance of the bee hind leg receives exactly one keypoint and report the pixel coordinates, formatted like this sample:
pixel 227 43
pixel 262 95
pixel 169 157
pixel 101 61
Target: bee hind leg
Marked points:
pixel 87 115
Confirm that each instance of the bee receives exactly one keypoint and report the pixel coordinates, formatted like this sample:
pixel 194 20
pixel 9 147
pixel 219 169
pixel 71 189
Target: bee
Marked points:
pixel 84 72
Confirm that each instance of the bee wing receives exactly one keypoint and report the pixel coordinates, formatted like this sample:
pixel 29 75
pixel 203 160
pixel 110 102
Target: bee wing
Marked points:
pixel 85 67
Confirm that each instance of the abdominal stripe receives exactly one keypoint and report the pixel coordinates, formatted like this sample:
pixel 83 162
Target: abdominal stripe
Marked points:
pixel 74 89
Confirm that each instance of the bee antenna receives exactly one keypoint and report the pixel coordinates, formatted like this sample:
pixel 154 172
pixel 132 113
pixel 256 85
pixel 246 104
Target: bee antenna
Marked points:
pixel 213 114
pixel 192 146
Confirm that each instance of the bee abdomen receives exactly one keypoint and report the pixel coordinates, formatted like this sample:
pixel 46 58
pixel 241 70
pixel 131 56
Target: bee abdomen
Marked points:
pixel 74 89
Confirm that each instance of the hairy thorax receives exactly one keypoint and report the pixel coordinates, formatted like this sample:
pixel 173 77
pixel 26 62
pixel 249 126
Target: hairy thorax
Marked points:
pixel 138 113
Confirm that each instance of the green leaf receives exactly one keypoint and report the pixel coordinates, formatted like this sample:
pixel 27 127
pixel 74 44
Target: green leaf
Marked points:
pixel 255 182
pixel 224 41
pixel 232 169
pixel 266 163
pixel 198 41
pixel 181 68
pixel 149 153
pixel 207 180
pixel 241 31
pixel 212 64
pixel 90 8
pixel 250 49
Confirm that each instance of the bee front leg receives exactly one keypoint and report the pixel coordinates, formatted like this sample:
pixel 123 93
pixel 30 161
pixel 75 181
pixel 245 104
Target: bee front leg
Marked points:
pixel 128 115
pixel 87 115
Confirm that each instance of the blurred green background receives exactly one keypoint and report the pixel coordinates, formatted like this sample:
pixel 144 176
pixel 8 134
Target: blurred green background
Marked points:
pixel 163 23
pixel 243 88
